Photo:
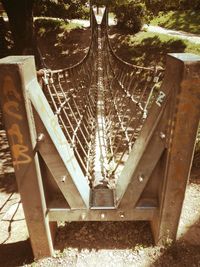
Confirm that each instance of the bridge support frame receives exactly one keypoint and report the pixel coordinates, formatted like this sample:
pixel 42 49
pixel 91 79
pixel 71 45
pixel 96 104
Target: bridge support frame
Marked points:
pixel 170 172
pixel 15 75
pixel 182 132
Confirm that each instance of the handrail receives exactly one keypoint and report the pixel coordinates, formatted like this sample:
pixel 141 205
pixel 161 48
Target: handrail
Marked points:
pixel 84 58
pixel 120 59
pixel 115 56
pixel 125 62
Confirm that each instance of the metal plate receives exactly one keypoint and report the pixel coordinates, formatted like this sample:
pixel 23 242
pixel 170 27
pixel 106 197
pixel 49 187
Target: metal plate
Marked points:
pixel 102 199
pixel 146 203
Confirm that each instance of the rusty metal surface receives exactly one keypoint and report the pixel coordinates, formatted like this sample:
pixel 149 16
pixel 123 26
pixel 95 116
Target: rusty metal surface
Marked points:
pixel 102 199
pixel 68 174
pixel 183 126
pixel 14 73
pixel 63 214
pixel 59 170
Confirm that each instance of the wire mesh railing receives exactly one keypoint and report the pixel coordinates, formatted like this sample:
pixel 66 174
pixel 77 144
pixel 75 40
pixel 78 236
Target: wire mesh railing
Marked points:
pixel 101 104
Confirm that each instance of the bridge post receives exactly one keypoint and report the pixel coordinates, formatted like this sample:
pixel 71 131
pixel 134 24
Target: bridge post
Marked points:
pixel 15 75
pixel 183 125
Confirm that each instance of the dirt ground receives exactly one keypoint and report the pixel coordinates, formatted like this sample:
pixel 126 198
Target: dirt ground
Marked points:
pixel 84 244
pixel 88 244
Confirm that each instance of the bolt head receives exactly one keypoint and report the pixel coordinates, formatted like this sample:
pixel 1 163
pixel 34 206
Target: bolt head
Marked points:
pixel 122 215
pixel 40 137
pixel 162 135
pixel 83 216
pixel 63 178
pixel 102 216
pixel 141 178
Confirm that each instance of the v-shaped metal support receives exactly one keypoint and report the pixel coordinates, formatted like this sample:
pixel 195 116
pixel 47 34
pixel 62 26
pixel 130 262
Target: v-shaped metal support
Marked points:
pixel 57 153
pixel 147 149
pixel 168 136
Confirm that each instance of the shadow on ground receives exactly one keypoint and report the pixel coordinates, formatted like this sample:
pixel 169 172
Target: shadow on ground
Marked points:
pixel 179 254
pixel 195 171
pixel 185 252
pixel 147 52
pixel 16 254
pixel 65 47
pixel 7 177
pixel 8 183
pixel 104 235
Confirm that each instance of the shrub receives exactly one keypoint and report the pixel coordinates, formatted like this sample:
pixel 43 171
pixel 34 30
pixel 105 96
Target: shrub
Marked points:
pixel 65 9
pixel 159 5
pixel 190 4
pixel 50 8
pixel 130 16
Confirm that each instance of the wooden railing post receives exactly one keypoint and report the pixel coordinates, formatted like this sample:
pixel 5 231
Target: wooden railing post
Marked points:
pixel 15 75
pixel 182 130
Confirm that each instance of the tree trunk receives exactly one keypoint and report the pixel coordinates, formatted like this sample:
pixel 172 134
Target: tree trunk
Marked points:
pixel 20 14
pixel 3 43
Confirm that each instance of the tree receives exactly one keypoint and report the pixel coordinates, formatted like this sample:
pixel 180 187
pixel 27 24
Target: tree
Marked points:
pixel 20 14
pixel 66 9
pixel 3 46
pixel 130 15
pixel 159 5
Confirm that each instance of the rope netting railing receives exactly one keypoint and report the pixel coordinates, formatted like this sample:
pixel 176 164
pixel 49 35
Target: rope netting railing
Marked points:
pixel 101 104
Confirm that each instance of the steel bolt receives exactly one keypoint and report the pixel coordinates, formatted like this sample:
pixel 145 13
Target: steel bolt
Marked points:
pixel 63 178
pixel 83 215
pixel 141 178
pixel 162 135
pixel 102 216
pixel 40 137
pixel 122 215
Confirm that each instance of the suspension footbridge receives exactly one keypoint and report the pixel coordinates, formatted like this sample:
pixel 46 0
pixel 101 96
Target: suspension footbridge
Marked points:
pixel 103 140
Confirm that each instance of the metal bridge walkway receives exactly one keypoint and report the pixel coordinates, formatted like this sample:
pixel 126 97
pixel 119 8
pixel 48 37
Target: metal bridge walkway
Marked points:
pixel 105 108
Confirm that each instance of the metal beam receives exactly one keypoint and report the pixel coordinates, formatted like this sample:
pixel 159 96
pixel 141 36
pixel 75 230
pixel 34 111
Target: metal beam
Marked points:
pixel 15 74
pixel 58 168
pixel 183 126
pixel 146 151
pixel 66 170
pixel 63 214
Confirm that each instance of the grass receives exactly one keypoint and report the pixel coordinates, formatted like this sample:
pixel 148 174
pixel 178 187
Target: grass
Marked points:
pixel 61 43
pixel 44 26
pixel 188 21
pixel 146 48
pixel 67 27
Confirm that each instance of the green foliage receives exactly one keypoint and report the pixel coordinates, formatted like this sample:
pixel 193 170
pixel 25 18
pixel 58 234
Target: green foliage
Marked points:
pixel 77 9
pixel 50 8
pixel 61 43
pixel 66 9
pixel 146 48
pixel 130 16
pixel 44 26
pixel 159 5
pixel 188 21
pixel 190 4
pixel 102 2
pixel 47 24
